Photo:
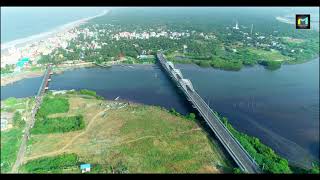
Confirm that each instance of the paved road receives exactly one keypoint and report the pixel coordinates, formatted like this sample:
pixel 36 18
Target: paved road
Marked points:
pixel 237 152
pixel 30 124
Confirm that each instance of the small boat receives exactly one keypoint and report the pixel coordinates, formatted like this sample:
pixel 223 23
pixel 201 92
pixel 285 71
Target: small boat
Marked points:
pixel 116 99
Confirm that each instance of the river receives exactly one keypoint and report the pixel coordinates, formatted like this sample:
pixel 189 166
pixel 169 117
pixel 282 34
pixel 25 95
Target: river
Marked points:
pixel 279 107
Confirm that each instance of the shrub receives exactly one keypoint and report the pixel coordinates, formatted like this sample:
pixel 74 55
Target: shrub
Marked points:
pixel 265 157
pixel 52 106
pixel 17 120
pixel 58 125
pixel 191 116
pixel 87 92
pixel 174 112
pixel 271 65
pixel 52 164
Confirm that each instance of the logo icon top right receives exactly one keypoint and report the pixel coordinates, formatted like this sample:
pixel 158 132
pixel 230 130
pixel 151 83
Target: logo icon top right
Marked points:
pixel 302 21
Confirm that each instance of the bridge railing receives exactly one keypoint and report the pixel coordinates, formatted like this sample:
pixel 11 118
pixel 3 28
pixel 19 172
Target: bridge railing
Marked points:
pixel 234 138
pixel 222 140
pixel 44 81
pixel 162 61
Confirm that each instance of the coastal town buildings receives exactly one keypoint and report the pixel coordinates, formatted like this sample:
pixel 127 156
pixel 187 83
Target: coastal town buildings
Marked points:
pixel 34 49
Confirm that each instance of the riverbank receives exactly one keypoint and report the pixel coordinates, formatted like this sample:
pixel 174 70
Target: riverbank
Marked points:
pixel 267 105
pixel 231 66
pixel 7 79
pixel 38 72
pixel 119 134
pixel 25 74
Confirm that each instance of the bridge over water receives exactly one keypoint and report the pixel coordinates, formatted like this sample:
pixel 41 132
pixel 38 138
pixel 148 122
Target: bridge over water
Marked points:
pixel 229 142
pixel 43 87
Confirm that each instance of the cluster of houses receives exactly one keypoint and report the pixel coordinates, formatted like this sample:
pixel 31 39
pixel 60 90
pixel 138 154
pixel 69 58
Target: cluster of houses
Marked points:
pixel 257 40
pixel 147 35
pixel 5 119
pixel 33 50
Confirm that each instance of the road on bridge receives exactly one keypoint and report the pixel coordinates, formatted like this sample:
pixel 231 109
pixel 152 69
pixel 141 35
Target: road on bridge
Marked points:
pixel 30 124
pixel 234 148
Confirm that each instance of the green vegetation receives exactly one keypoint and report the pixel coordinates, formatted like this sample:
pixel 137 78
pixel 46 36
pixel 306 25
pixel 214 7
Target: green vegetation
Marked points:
pixel 237 171
pixel 11 101
pixel 267 159
pixel 68 163
pixel 174 112
pixel 17 120
pixel 10 143
pixel 271 65
pixel 90 93
pixel 58 125
pixel 201 41
pixel 11 138
pixel 56 164
pixel 203 63
pixel 314 170
pixel 129 140
pixel 269 55
pixel 45 59
pixel 169 146
pixel 52 105
pixel 191 116
pixel 226 65
pixel 7 69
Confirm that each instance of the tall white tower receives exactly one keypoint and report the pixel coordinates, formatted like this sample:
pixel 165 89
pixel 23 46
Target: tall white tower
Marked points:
pixel 237 25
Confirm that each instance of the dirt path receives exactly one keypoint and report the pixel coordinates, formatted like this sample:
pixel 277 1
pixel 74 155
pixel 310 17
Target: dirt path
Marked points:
pixel 62 150
pixel 69 143
pixel 152 136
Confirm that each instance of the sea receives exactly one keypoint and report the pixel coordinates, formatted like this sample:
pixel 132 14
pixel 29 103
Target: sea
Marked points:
pixel 23 22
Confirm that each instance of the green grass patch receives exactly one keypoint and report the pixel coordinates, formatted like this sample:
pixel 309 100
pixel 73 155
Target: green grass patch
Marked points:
pixel 10 143
pixel 269 55
pixel 56 164
pixel 52 105
pixel 90 93
pixel 58 125
pixel 11 101
pixel 226 64
pixel 164 143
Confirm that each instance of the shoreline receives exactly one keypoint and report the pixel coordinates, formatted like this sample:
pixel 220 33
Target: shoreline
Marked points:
pixel 18 43
pixel 33 74
pixel 59 70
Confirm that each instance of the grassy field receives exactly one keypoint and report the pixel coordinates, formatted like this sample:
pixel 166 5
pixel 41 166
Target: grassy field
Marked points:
pixel 11 138
pixel 121 137
pixel 10 142
pixel 269 55
pixel 65 163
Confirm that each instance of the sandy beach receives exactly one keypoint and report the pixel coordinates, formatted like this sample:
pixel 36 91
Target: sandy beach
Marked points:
pixel 28 41
pixel 45 35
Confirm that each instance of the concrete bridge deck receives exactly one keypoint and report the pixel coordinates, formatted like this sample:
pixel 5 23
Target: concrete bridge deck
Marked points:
pixel 229 142
pixel 26 135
